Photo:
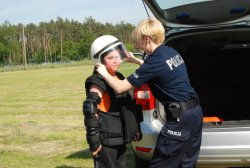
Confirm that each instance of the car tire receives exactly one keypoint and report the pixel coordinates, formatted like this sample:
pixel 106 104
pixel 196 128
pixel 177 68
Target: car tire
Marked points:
pixel 140 163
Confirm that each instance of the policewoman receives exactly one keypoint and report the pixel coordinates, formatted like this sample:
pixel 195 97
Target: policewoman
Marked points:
pixel 164 70
pixel 106 112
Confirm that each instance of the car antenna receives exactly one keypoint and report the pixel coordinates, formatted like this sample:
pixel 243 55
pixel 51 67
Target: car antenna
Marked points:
pixel 145 8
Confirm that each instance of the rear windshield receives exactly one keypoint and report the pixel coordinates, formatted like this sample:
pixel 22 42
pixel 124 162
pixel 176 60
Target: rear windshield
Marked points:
pixel 166 4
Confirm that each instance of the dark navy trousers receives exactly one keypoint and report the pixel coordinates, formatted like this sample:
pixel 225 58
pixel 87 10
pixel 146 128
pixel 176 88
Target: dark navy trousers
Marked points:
pixel 178 144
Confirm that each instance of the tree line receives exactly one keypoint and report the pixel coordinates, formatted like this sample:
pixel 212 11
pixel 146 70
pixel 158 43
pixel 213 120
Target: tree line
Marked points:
pixel 61 40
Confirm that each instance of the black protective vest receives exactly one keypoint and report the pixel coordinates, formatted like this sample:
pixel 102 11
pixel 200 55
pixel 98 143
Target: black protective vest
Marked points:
pixel 113 124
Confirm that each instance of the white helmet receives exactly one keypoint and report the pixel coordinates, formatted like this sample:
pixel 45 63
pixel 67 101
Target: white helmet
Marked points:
pixel 104 45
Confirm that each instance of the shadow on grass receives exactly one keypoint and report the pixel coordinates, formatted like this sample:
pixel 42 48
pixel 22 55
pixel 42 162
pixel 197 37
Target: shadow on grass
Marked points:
pixel 83 154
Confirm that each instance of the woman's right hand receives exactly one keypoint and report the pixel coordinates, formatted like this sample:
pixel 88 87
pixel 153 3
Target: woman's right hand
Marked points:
pixel 101 69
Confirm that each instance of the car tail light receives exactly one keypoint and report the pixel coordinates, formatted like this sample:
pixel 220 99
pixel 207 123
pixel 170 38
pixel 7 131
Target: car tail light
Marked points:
pixel 143 149
pixel 144 97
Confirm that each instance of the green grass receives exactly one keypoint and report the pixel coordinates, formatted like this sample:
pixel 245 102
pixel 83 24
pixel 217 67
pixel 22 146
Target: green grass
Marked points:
pixel 41 121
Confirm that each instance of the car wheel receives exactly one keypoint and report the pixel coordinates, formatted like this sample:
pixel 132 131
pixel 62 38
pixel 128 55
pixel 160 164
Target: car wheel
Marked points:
pixel 140 163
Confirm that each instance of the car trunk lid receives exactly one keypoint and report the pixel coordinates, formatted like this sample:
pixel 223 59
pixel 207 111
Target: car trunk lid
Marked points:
pixel 199 13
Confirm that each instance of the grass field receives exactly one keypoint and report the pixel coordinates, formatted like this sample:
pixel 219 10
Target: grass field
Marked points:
pixel 41 121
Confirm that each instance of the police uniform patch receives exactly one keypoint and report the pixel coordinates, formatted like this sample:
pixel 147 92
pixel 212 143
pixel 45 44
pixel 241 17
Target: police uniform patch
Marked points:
pixel 135 75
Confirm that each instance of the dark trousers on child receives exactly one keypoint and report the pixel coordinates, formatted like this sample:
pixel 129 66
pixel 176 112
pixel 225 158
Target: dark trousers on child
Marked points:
pixel 111 157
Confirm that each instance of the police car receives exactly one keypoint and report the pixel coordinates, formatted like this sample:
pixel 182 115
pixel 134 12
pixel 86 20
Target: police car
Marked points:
pixel 213 37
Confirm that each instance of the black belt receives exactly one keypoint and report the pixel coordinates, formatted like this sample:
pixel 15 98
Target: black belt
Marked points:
pixel 175 108
pixel 183 106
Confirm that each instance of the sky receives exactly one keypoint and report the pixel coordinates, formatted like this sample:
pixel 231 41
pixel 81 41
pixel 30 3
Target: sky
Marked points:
pixel 104 11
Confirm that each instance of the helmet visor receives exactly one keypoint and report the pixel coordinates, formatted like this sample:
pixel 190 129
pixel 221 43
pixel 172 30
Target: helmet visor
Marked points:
pixel 118 52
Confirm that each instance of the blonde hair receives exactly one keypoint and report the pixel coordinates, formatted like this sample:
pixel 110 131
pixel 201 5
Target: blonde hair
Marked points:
pixel 149 27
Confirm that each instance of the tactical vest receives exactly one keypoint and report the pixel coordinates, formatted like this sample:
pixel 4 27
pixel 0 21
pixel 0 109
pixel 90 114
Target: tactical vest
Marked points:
pixel 113 125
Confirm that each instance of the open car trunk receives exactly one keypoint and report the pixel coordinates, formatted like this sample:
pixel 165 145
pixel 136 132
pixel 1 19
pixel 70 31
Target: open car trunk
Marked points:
pixel 218 65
